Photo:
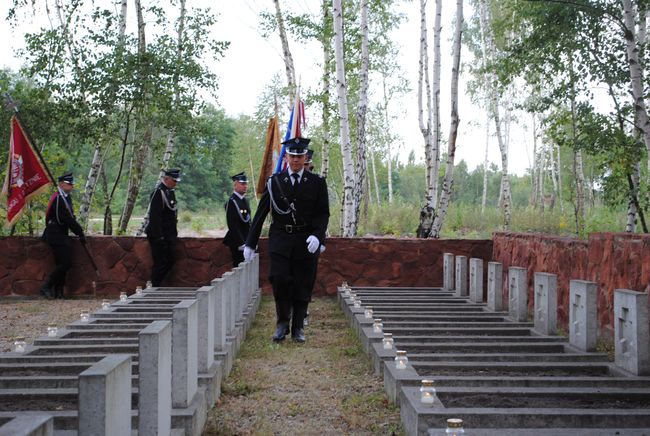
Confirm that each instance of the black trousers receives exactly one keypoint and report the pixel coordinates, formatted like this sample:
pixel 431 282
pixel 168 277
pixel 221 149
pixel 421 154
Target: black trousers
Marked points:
pixel 162 252
pixel 237 256
pixel 292 280
pixel 63 260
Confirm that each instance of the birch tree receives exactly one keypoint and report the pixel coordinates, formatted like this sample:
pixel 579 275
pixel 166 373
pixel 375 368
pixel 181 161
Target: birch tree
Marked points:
pixel 327 60
pixel 348 219
pixel 360 191
pixel 288 59
pixel 445 195
pixel 141 149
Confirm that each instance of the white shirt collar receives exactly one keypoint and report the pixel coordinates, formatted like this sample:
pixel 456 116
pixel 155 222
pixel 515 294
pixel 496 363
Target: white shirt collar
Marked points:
pixel 299 172
pixel 241 197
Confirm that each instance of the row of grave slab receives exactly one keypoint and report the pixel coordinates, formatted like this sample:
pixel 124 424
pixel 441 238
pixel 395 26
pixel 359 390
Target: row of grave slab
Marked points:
pixel 149 365
pixel 444 353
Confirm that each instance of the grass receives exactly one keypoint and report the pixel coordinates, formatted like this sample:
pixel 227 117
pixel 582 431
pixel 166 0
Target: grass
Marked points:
pixel 325 386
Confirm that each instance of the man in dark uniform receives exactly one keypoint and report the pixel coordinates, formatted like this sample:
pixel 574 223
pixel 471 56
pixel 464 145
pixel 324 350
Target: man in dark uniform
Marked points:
pixel 161 228
pixel 60 220
pixel 309 163
pixel 299 206
pixel 238 217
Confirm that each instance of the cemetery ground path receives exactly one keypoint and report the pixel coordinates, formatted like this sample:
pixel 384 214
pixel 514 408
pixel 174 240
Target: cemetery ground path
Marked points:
pixel 325 386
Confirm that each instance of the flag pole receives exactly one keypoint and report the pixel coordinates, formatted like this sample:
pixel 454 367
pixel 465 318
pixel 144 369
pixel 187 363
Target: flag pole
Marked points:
pixel 12 105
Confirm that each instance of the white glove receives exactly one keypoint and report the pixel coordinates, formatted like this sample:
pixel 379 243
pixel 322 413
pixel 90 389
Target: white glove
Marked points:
pixel 312 244
pixel 248 253
pixel 322 248
pixel 241 247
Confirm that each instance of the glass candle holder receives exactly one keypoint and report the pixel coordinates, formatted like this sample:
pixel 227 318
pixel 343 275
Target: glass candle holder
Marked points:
pixel 454 427
pixel 427 392
pixel 106 304
pixel 346 291
pixel 138 290
pixel 19 344
pixel 84 317
pixel 400 359
pixel 367 314
pixel 123 296
pixel 356 303
pixel 387 341
pixel 377 326
pixel 52 330
pixel 149 284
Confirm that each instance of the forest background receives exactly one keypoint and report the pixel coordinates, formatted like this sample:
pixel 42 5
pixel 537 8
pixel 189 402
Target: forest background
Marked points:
pixel 116 99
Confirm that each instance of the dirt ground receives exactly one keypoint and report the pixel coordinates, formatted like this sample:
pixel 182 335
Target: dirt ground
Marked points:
pixel 30 318
pixel 325 386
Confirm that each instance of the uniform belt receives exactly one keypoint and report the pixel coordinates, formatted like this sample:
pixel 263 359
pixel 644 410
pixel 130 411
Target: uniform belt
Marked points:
pixel 290 228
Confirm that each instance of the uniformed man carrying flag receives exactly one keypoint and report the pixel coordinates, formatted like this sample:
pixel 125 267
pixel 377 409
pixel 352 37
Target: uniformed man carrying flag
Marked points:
pixel 60 219
pixel 298 202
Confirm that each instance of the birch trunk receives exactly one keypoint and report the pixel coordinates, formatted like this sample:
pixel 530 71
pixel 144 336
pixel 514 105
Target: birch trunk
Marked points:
pixel 141 151
pixel 427 213
pixel 435 106
pixel 485 165
pixel 636 74
pixel 389 158
pixel 374 176
pixel 504 195
pixel 445 195
pixel 554 178
pixel 540 175
pixel 348 218
pixel 359 191
pixel 558 176
pixel 108 215
pixel 327 60
pixel 288 59
pixel 533 188
pixel 171 135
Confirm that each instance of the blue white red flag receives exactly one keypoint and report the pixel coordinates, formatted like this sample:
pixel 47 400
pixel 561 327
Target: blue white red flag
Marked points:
pixel 294 129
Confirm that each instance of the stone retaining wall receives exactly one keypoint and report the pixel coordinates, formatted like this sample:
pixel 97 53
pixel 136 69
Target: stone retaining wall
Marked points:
pixel 611 260
pixel 125 262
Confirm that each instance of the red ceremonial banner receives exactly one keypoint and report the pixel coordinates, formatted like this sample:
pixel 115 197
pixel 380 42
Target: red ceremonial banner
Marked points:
pixel 26 174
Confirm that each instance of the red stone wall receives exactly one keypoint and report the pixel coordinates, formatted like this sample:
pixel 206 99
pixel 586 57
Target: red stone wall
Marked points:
pixel 125 262
pixel 612 260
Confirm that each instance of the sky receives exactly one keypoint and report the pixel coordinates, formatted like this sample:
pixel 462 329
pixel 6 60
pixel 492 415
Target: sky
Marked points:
pixel 252 60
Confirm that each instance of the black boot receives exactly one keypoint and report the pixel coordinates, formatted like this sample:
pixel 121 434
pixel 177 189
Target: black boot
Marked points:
pixel 281 332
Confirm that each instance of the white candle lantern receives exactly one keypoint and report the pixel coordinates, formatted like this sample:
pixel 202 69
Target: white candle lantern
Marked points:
pixel 367 314
pixel 400 359
pixel 149 284
pixel 84 317
pixel 377 326
pixel 357 303
pixel 52 331
pixel 427 392
pixel 19 344
pixel 454 427
pixel 388 341
pixel 106 304
pixel 138 290
pixel 123 296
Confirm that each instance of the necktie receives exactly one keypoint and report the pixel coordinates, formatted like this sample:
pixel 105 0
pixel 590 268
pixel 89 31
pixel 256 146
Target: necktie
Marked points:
pixel 296 179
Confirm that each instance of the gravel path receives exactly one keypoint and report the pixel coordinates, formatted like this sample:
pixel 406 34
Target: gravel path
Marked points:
pixel 30 318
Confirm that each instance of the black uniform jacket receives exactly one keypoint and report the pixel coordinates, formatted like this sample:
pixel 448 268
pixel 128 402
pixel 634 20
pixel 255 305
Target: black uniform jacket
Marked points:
pixel 59 220
pixel 238 217
pixel 162 214
pixel 311 217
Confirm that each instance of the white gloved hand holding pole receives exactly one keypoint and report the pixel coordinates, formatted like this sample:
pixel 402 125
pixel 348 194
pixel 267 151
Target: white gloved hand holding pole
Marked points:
pixel 248 253
pixel 312 244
